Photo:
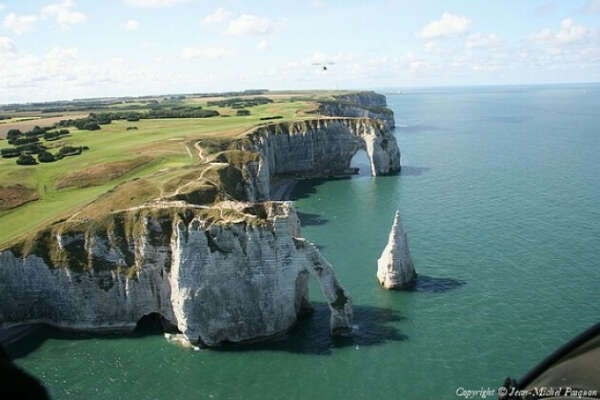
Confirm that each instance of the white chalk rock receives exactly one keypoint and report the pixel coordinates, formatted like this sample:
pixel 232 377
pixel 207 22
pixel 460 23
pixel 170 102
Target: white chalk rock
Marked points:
pixel 395 269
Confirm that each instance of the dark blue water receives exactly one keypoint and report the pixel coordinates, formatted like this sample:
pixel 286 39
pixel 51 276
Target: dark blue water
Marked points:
pixel 499 193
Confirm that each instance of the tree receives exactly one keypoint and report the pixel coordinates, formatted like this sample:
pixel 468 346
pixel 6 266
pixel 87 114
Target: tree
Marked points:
pixel 26 159
pixel 46 156
pixel 13 134
pixel 91 126
pixel 9 152
pixel 242 113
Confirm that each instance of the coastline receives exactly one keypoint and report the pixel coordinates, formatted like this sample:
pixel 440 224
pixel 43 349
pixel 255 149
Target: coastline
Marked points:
pixel 15 333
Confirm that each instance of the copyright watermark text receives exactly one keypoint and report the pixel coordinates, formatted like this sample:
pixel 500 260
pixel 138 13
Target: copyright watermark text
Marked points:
pixel 537 392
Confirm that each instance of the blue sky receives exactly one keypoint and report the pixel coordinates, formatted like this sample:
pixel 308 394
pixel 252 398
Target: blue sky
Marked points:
pixel 63 49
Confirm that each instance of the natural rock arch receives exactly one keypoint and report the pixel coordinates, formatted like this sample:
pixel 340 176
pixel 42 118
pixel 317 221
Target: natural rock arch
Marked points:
pixel 317 148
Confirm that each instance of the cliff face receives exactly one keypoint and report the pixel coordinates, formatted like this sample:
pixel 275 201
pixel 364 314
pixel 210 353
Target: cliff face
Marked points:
pixel 364 98
pixel 359 105
pixel 317 148
pixel 236 279
pixel 229 271
pixel 395 269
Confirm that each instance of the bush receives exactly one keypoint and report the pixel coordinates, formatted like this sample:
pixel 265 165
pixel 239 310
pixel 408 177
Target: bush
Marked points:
pixel 13 134
pixel 51 135
pixel 273 117
pixel 33 148
pixel 25 140
pixel 9 152
pixel 63 132
pixel 26 159
pixel 46 156
pixel 90 126
pixel 132 128
pixel 242 113
pixel 133 117
pixel 69 151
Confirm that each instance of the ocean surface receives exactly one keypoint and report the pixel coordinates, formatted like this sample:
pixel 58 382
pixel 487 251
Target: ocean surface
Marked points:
pixel 500 197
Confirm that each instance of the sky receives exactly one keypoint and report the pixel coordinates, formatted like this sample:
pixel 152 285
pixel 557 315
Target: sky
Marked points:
pixel 65 49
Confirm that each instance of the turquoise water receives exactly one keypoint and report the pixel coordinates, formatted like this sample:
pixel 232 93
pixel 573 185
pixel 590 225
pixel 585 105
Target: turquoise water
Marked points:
pixel 500 195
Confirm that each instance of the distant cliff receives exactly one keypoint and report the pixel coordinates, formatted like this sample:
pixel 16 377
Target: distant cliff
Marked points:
pixel 359 105
pixel 317 148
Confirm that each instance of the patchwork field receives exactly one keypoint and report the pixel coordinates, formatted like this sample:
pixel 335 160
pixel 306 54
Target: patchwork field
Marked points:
pixel 122 166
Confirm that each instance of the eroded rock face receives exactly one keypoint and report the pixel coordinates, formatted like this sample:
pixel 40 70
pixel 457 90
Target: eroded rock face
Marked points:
pixel 359 105
pixel 318 148
pixel 395 269
pixel 233 281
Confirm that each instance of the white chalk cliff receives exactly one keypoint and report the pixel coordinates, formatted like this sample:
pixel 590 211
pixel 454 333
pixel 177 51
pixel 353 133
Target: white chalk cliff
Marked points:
pixel 221 282
pixel 316 148
pixel 218 272
pixel 395 269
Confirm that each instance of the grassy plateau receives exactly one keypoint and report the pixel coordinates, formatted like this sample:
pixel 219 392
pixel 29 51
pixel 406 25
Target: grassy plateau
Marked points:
pixel 127 167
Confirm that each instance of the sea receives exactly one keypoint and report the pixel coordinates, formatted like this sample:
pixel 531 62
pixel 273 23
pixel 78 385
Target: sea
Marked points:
pixel 500 197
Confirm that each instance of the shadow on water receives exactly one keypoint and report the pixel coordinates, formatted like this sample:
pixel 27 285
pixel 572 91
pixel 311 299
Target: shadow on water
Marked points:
pixel 407 170
pixel 415 128
pixel 372 326
pixel 306 188
pixel 436 285
pixel 35 335
pixel 308 219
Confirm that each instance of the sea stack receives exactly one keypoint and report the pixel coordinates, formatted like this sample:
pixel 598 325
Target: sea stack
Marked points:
pixel 395 269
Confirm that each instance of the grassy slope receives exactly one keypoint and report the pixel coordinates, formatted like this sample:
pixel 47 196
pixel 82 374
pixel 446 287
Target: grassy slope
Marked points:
pixel 165 140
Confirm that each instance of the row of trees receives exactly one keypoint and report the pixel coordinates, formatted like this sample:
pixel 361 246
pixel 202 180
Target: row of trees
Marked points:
pixel 240 102
pixel 94 120
pixel 45 156
pixel 29 142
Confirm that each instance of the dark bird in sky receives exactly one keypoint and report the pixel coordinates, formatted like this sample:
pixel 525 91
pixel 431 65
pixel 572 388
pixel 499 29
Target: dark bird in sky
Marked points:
pixel 324 65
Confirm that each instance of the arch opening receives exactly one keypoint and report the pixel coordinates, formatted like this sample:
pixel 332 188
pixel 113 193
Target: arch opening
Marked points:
pixel 360 163
pixel 154 324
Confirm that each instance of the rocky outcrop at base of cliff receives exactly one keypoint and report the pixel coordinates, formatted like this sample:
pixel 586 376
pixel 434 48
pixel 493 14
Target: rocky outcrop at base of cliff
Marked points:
pixel 229 273
pixel 395 269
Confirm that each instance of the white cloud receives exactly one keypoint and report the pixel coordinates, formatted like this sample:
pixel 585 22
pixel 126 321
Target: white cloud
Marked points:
pixel 430 46
pixel 7 46
pixel 248 24
pixel 63 13
pixel 448 25
pixel 2 6
pixel 19 24
pixel 568 33
pixel 592 6
pixel 131 25
pixel 154 3
pixel 218 16
pixel 262 45
pixel 317 4
pixel 481 40
pixel 210 53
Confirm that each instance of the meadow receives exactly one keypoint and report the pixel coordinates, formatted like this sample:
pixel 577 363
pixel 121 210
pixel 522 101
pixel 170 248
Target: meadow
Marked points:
pixel 156 149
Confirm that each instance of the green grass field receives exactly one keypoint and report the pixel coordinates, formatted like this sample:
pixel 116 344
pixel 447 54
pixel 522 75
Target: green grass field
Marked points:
pixel 166 146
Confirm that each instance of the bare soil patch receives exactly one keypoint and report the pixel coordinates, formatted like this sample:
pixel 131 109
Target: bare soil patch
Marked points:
pixel 101 174
pixel 15 196
pixel 27 125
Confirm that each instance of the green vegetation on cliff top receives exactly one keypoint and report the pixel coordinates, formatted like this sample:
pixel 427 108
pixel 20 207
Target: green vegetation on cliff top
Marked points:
pixel 128 167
